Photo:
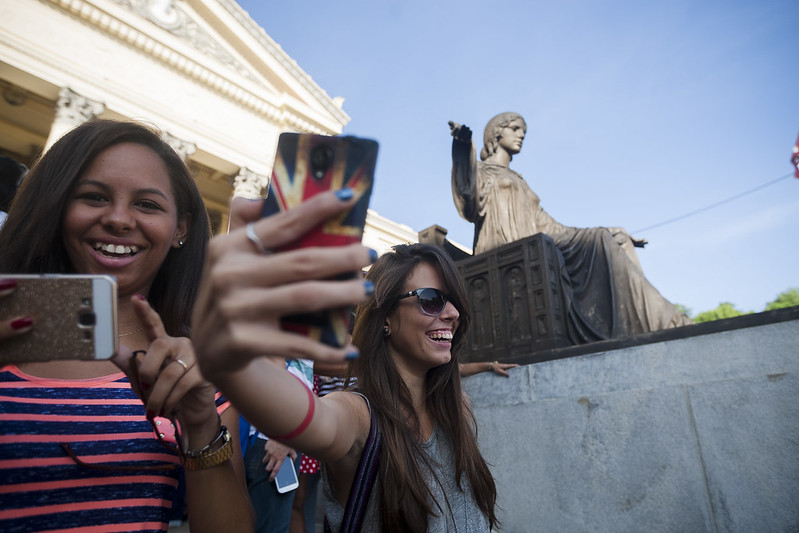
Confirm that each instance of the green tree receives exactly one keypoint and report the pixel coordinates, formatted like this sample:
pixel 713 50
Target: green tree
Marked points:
pixel 724 310
pixel 682 309
pixel 787 298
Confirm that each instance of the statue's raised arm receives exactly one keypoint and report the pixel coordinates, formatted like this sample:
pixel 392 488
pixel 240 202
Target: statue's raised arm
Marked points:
pixel 464 172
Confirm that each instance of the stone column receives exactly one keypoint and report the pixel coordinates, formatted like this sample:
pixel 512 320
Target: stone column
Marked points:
pixel 249 184
pixel 71 110
pixel 183 148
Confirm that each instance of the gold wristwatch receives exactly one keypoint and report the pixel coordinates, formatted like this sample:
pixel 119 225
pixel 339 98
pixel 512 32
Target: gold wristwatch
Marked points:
pixel 215 453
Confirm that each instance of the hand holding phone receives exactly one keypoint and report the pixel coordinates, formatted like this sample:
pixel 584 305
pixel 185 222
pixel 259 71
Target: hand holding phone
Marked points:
pixel 74 317
pixel 306 165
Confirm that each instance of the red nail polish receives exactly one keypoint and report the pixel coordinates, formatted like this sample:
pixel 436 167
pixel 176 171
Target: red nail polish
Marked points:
pixel 140 297
pixel 22 323
pixel 6 284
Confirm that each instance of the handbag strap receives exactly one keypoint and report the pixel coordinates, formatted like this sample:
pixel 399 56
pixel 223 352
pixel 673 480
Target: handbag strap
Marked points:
pixel 364 479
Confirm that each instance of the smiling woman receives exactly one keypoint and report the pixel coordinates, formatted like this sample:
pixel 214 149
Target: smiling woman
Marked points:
pixel 432 475
pixel 80 176
pixel 400 453
pixel 113 198
pixel 122 218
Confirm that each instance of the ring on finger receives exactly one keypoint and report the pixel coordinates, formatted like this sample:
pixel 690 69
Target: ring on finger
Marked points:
pixel 255 240
pixel 182 363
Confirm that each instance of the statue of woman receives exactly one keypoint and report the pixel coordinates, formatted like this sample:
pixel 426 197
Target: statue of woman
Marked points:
pixel 606 292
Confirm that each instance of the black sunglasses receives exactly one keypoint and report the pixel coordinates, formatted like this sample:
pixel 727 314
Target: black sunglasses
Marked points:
pixel 431 301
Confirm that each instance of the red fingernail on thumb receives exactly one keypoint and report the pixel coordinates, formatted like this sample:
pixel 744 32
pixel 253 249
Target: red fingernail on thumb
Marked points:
pixel 22 323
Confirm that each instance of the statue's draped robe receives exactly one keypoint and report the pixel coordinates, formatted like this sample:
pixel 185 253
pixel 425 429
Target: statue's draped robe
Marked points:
pixel 605 290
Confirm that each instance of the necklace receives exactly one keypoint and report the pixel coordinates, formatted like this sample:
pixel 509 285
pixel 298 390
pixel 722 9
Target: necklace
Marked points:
pixel 131 333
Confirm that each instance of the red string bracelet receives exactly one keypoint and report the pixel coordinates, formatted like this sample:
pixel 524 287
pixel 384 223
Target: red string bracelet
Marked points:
pixel 308 416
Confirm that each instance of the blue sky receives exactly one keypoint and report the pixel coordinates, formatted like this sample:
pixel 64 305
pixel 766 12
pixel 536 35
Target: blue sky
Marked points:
pixel 638 112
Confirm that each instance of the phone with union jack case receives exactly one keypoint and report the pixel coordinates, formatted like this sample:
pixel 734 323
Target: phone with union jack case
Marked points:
pixel 305 165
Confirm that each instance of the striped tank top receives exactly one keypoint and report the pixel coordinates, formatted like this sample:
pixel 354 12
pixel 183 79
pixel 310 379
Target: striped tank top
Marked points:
pixel 102 420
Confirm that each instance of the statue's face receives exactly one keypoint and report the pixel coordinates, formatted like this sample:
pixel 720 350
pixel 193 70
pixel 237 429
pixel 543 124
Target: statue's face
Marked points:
pixel 512 136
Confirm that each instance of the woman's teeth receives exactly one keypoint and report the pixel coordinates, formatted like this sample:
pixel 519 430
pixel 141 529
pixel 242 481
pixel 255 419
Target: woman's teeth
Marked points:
pixel 441 336
pixel 116 249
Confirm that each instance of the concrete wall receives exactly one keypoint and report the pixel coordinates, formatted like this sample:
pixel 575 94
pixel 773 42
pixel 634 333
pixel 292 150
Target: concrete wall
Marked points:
pixel 699 433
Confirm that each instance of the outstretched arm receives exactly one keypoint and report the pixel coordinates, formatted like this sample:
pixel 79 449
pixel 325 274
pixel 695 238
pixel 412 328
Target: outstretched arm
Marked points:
pixel 470 369
pixel 464 171
pixel 236 322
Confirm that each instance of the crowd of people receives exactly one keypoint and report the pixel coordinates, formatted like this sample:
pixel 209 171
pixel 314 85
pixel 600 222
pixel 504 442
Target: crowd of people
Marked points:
pixel 153 434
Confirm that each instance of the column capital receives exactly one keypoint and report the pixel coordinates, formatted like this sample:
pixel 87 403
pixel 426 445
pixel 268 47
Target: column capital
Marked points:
pixel 71 110
pixel 76 109
pixel 249 184
pixel 183 148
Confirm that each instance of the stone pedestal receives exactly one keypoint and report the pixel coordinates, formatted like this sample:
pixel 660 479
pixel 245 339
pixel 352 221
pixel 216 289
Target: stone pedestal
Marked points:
pixel 516 299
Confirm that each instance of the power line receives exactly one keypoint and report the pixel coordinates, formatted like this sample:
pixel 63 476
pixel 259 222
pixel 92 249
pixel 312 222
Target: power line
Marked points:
pixel 711 206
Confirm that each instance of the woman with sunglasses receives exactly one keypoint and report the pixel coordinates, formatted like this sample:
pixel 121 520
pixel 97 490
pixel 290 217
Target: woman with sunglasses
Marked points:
pixel 400 454
pixel 79 450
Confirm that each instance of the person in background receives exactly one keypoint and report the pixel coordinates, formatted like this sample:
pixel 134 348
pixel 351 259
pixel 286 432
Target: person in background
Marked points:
pixel 263 459
pixel 500 369
pixel 408 436
pixel 84 445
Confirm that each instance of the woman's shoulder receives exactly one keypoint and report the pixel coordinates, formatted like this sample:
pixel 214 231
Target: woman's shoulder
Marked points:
pixel 354 415
pixel 353 401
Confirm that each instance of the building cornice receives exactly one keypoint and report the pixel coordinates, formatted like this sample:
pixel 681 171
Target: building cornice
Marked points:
pixel 89 13
pixel 243 18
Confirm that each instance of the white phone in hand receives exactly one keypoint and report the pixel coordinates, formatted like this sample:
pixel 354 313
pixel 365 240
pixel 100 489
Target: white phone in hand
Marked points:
pixel 286 479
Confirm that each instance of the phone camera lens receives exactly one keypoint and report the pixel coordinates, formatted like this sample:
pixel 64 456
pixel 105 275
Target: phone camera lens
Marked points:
pixel 321 159
pixel 87 318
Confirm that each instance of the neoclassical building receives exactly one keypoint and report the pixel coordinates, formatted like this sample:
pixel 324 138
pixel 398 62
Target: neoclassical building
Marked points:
pixel 202 71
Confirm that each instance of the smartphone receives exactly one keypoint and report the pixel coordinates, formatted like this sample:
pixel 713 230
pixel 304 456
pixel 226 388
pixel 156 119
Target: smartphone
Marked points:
pixel 286 479
pixel 305 165
pixel 74 317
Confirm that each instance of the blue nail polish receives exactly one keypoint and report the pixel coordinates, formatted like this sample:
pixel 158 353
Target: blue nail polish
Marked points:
pixel 369 288
pixel 352 355
pixel 345 194
pixel 372 255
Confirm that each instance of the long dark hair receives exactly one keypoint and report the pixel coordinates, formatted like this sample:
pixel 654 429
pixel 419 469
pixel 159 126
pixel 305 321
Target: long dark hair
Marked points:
pixel 405 498
pixel 31 238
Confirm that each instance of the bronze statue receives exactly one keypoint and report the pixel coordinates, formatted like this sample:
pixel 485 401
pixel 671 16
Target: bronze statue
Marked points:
pixel 607 294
